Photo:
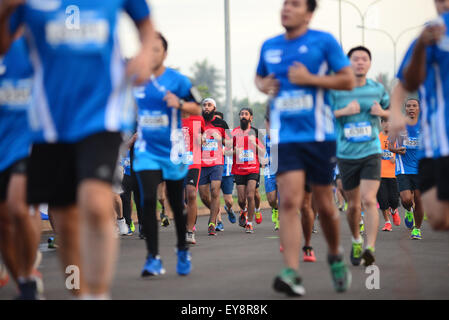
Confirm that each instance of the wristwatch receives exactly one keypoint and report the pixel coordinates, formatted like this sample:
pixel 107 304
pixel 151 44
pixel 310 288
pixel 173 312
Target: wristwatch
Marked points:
pixel 181 103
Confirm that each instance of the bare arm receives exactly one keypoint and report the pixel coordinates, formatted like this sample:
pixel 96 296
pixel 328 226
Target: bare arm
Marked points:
pixel 7 8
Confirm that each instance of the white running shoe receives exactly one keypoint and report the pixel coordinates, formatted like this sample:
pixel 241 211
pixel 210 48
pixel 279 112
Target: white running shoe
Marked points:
pixel 122 226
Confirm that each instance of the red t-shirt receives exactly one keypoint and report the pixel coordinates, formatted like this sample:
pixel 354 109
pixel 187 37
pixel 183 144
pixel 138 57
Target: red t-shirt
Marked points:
pixel 193 128
pixel 212 149
pixel 246 160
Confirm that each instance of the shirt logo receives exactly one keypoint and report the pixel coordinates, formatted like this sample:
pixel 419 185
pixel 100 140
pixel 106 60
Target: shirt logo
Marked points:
pixel 273 56
pixel 303 49
pixel 45 5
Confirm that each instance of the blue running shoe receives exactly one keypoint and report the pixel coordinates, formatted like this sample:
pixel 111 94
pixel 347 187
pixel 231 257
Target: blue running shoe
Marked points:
pixel 153 266
pixel 409 219
pixel 184 265
pixel 231 215
pixel 219 226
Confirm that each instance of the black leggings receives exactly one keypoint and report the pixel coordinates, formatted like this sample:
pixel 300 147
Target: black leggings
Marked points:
pixel 148 181
pixel 129 185
pixel 388 194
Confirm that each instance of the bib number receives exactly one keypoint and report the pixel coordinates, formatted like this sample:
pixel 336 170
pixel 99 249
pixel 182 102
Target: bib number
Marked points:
pixel 358 132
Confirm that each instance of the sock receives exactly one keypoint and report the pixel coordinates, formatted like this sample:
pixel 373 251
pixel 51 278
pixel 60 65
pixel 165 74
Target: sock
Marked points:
pixel 388 222
pixel 257 209
pixel 359 240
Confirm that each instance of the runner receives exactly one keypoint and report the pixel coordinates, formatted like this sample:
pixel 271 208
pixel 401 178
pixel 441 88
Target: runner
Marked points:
pixel 423 69
pixel 388 194
pixel 269 172
pixel 227 187
pixel 357 115
pixel 84 149
pixel 19 227
pixel 214 140
pixel 161 194
pixel 193 127
pixel 407 169
pixel 246 166
pixel 159 154
pixel 293 70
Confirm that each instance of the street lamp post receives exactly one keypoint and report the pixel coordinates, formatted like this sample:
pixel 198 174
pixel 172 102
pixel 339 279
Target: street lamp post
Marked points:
pixel 228 65
pixel 394 41
pixel 362 16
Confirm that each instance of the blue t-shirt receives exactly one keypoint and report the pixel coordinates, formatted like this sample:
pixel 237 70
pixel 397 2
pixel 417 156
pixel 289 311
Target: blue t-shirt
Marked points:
pixel 126 164
pixel 227 167
pixel 80 86
pixel 270 169
pixel 16 82
pixel 301 113
pixel 408 163
pixel 358 134
pixel 434 96
pixel 159 128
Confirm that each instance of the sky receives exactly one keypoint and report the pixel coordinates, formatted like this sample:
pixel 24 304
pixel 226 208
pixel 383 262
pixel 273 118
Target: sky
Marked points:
pixel 195 31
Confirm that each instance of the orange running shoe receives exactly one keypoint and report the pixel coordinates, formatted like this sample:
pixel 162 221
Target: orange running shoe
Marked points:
pixel 387 227
pixel 258 217
pixel 249 228
pixel 396 217
pixel 309 255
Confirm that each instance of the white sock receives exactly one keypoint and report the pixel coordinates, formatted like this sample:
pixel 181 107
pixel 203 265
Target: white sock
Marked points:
pixel 359 240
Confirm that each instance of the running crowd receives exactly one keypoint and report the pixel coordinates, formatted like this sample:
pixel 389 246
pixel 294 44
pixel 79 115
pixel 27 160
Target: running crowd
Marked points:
pixel 87 140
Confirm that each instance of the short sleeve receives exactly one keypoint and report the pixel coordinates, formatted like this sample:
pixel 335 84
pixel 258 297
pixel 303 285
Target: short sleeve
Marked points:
pixel 137 9
pixel 385 100
pixel 261 66
pixel 336 58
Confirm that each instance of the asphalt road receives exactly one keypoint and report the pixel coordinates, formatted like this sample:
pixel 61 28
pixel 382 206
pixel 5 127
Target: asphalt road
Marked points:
pixel 237 266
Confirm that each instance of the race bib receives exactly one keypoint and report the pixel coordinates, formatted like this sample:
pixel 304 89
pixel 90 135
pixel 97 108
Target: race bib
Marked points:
pixel 411 143
pixel 387 155
pixel 210 145
pixel 294 101
pixel 246 156
pixel 358 131
pixel 15 94
pixel 153 121
pixel 188 158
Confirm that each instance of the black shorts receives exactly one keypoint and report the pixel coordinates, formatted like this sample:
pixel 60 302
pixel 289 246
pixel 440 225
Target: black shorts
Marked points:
pixel 193 177
pixel 388 194
pixel 408 182
pixel 352 171
pixel 434 173
pixel 55 170
pixel 243 179
pixel 18 167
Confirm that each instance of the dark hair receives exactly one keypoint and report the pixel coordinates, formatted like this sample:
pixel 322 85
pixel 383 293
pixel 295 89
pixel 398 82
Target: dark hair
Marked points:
pixel 220 114
pixel 164 41
pixel 311 5
pixel 247 109
pixel 359 48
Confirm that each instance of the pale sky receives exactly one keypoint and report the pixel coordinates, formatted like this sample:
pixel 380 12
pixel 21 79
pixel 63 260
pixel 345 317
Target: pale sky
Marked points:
pixel 195 30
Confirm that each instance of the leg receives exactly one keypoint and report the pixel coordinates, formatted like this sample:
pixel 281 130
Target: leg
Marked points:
pixel 291 187
pixel 418 213
pixel 307 218
pixel 7 246
pixel 215 200
pixel 368 189
pixel 437 210
pixel 175 198
pixel 354 211
pixel 250 192
pixel 205 194
pixel 192 207
pixel 241 196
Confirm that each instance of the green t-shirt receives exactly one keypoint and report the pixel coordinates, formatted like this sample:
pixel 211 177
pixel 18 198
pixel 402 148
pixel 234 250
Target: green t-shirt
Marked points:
pixel 358 134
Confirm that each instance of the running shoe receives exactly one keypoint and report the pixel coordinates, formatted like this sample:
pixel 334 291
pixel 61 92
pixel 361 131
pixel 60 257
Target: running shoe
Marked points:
pixel 362 227
pixel 231 215
pixel 309 255
pixel 211 229
pixel 387 227
pixel 51 243
pixel 242 218
pixel 341 276
pixel 122 226
pixel 249 228
pixel 165 221
pixel 425 217
pixel 132 227
pixel 274 215
pixel 276 225
pixel 289 282
pixel 416 234
pixel 184 265
pixel 409 220
pixel 356 253
pixel 190 238
pixel 396 217
pixel 345 207
pixel 258 216
pixel 219 226
pixel 314 230
pixel 368 256
pixel 29 290
pixel 153 266
pixel 4 276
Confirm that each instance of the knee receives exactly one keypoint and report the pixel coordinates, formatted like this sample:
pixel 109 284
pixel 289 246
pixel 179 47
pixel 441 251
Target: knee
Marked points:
pixel 368 201
pixel 354 207
pixel 191 197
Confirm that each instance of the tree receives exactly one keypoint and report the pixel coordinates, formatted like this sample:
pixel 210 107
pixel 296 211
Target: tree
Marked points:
pixel 208 79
